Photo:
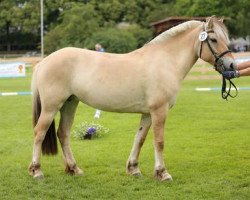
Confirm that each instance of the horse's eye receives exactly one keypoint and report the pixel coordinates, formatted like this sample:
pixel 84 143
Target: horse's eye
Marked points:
pixel 214 40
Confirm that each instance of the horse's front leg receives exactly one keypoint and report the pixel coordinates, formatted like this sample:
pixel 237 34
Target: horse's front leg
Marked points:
pixel 158 120
pixel 132 163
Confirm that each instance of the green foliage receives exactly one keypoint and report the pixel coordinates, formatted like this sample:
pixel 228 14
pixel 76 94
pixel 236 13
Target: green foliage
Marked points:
pixel 200 7
pixel 99 27
pixel 110 10
pixel 239 24
pixel 19 20
pixel 113 40
pixel 52 40
pixel 70 23
pixel 162 11
pixel 28 17
pixel 78 23
pixel 142 35
pixel 237 12
pixel 6 12
pixel 138 11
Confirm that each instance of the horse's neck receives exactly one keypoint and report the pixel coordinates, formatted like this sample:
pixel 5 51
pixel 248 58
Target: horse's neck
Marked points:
pixel 184 47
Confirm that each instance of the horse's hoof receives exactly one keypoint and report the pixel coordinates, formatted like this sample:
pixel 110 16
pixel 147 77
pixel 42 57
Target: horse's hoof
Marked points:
pixel 162 175
pixel 134 172
pixel 137 174
pixel 133 169
pixel 74 171
pixel 38 176
pixel 35 171
pixel 166 177
pixel 79 172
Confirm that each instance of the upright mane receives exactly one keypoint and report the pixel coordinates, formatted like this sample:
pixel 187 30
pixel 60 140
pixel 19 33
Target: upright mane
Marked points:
pixel 175 31
pixel 219 29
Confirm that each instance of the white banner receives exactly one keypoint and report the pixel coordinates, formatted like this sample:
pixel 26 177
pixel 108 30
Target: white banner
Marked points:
pixel 12 69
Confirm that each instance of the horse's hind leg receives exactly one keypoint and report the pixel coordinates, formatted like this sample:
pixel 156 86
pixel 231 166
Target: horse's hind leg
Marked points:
pixel 43 124
pixel 132 163
pixel 66 120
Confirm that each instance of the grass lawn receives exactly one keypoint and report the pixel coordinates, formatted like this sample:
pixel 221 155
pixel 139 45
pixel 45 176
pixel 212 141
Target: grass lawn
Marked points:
pixel 207 150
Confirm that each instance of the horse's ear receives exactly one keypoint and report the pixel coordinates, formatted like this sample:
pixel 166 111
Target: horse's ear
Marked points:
pixel 221 20
pixel 210 22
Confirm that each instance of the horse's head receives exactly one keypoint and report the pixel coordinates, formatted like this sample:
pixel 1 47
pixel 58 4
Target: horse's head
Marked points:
pixel 214 45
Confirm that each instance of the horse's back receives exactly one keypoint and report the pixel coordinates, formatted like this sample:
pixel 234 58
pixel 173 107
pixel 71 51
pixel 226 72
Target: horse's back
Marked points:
pixel 112 82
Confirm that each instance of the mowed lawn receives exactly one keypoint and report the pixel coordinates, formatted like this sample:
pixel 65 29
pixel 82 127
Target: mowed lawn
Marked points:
pixel 207 150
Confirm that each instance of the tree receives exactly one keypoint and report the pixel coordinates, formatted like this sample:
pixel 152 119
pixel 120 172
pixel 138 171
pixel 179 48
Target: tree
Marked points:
pixel 7 20
pixel 111 11
pixel 237 12
pixel 239 23
pixel 142 35
pixel 139 11
pixel 113 40
pixel 28 17
pixel 71 22
pixel 78 23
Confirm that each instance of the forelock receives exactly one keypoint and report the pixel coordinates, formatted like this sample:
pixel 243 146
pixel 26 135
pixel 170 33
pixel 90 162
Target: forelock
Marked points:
pixel 221 31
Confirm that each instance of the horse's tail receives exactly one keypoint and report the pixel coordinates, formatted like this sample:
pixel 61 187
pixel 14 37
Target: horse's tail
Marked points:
pixel 49 145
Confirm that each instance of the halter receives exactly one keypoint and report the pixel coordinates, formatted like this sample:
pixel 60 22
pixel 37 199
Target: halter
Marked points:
pixel 219 65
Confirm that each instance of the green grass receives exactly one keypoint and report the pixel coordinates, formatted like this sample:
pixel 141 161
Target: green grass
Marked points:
pixel 207 150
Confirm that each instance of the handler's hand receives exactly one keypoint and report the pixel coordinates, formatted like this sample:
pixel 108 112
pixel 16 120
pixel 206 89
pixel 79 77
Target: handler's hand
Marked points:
pixel 230 74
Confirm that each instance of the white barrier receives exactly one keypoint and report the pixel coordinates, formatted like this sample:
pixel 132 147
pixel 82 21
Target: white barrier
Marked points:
pixel 15 93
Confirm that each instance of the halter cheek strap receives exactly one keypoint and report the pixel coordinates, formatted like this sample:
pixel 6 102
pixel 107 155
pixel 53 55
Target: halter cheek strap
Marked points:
pixel 206 40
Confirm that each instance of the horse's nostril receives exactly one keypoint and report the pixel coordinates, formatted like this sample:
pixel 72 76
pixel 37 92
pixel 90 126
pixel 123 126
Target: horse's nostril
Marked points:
pixel 232 66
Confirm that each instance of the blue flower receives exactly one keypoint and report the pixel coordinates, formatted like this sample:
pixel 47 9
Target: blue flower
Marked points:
pixel 91 131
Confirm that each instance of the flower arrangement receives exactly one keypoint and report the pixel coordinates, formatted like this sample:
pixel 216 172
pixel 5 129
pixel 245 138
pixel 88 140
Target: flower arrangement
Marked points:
pixel 89 131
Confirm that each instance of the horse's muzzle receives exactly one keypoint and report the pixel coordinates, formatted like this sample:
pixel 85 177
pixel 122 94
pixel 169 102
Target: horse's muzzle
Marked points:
pixel 225 64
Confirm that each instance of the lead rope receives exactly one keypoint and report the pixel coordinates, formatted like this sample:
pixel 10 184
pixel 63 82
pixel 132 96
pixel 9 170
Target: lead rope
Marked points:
pixel 227 93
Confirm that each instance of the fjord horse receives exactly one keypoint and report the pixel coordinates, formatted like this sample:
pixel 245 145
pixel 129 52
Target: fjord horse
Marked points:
pixel 144 81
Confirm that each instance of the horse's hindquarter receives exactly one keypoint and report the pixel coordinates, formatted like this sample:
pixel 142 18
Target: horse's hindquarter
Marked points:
pixel 111 82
